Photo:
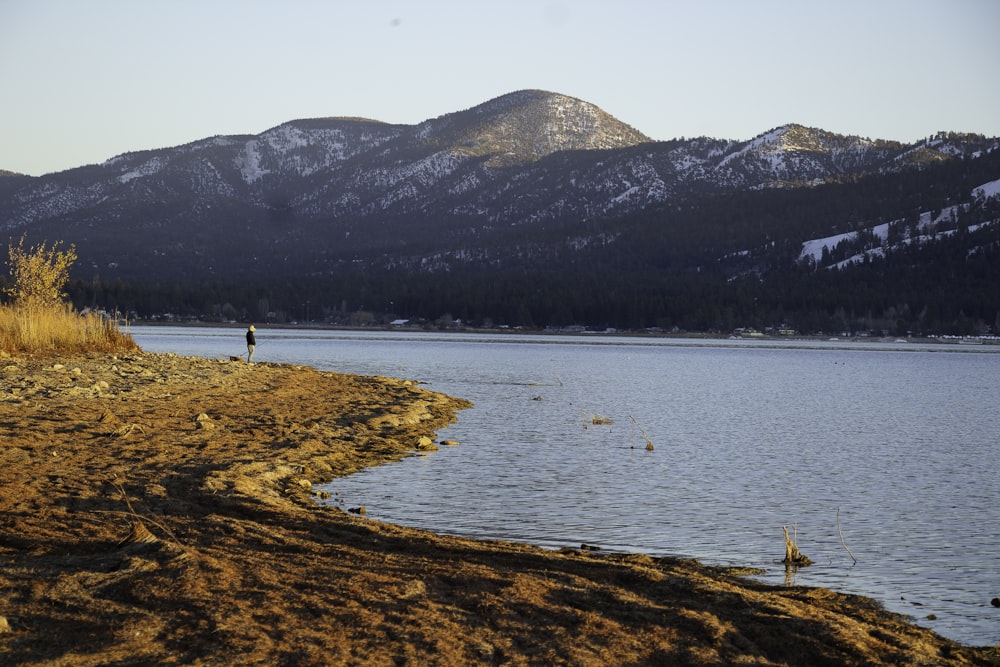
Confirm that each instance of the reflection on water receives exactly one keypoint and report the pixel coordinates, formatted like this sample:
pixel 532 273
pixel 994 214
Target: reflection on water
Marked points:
pixel 748 436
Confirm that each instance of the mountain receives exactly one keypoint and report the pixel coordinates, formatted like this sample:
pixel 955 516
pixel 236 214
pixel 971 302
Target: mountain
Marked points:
pixel 530 183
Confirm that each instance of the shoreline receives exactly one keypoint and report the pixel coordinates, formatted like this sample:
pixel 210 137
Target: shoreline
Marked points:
pixel 945 340
pixel 157 508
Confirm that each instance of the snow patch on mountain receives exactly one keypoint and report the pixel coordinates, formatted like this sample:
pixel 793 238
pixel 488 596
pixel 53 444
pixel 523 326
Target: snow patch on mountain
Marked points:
pixel 766 139
pixel 987 190
pixel 248 162
pixel 147 168
pixel 884 237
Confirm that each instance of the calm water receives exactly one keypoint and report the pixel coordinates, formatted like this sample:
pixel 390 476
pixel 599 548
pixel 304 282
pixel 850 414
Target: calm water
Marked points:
pixel 749 436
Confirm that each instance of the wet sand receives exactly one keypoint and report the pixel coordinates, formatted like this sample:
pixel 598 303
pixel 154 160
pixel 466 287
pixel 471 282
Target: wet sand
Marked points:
pixel 157 509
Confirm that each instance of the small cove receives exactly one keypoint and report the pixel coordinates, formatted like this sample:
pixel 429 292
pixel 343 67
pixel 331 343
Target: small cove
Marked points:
pixel 749 436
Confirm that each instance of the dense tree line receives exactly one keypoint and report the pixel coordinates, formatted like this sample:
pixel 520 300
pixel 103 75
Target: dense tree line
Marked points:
pixel 895 294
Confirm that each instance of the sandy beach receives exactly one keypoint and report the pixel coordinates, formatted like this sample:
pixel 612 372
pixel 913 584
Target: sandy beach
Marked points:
pixel 157 509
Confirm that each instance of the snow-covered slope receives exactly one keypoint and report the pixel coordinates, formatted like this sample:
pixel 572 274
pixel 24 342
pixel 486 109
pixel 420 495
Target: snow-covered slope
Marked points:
pixel 529 158
pixel 840 250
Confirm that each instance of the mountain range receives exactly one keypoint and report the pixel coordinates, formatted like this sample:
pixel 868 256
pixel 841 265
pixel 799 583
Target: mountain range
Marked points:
pixel 530 192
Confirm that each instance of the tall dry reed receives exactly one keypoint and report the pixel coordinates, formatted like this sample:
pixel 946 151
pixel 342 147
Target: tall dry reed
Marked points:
pixel 36 328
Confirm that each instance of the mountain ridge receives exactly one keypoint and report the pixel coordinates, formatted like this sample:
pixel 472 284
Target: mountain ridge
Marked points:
pixel 355 167
pixel 530 179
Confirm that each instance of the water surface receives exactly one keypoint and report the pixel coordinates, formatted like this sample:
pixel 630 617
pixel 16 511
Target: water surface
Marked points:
pixel 748 437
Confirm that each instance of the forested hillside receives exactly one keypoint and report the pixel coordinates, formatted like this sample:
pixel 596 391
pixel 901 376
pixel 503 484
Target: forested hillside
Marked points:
pixel 536 210
pixel 717 263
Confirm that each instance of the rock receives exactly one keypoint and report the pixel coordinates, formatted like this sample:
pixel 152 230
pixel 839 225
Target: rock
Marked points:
pixel 449 443
pixel 995 602
pixel 203 421
pixel 414 588
pixel 305 483
pixel 426 444
pixel 358 510
pixel 108 417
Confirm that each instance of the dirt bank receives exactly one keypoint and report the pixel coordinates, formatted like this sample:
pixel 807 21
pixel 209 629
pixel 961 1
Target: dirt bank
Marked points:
pixel 158 510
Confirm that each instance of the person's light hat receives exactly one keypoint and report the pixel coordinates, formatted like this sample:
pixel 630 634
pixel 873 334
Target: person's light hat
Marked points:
pixel 253 328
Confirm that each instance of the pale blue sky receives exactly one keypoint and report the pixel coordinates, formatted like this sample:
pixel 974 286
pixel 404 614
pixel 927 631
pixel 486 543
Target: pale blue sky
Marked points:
pixel 84 80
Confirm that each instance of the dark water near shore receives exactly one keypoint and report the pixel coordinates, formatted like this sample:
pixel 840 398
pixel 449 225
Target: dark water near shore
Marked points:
pixel 749 436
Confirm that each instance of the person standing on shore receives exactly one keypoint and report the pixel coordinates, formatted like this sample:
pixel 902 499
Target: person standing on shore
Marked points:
pixel 251 343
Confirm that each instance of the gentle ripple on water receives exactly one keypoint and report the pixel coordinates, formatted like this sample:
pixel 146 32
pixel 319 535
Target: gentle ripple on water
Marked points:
pixel 748 438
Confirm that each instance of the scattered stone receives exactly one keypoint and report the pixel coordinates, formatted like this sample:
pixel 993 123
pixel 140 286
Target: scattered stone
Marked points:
pixel 449 443
pixel 414 588
pixel 358 510
pixel 125 430
pixel 305 483
pixel 490 653
pixel 4 625
pixel 203 421
pixel 426 444
pixel 108 417
pixel 995 602
pixel 649 446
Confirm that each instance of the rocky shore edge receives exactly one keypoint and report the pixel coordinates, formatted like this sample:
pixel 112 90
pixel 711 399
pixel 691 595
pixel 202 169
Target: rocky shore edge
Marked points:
pixel 157 509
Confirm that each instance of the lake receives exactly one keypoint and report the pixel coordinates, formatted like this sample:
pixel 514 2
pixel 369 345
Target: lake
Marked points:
pixel 884 450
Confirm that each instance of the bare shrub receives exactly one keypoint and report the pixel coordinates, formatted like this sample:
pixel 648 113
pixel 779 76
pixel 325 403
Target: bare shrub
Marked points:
pixel 39 273
pixel 37 320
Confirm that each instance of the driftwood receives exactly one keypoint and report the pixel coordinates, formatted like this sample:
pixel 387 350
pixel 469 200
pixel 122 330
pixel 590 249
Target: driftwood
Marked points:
pixel 793 557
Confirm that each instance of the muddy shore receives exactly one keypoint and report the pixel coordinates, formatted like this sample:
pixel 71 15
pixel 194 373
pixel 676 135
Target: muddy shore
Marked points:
pixel 157 509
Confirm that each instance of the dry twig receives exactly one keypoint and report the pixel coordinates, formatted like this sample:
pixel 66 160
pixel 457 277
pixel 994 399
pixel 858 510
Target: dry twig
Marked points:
pixel 649 443
pixel 841 533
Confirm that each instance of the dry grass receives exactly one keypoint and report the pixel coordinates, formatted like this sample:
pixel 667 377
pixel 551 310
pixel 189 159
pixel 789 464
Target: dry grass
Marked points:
pixel 36 329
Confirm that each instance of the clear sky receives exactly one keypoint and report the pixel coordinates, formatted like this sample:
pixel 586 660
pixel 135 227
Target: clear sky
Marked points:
pixel 84 80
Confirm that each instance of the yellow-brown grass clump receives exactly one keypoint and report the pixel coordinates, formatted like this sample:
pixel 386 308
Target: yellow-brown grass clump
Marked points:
pixel 38 320
pixel 37 329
